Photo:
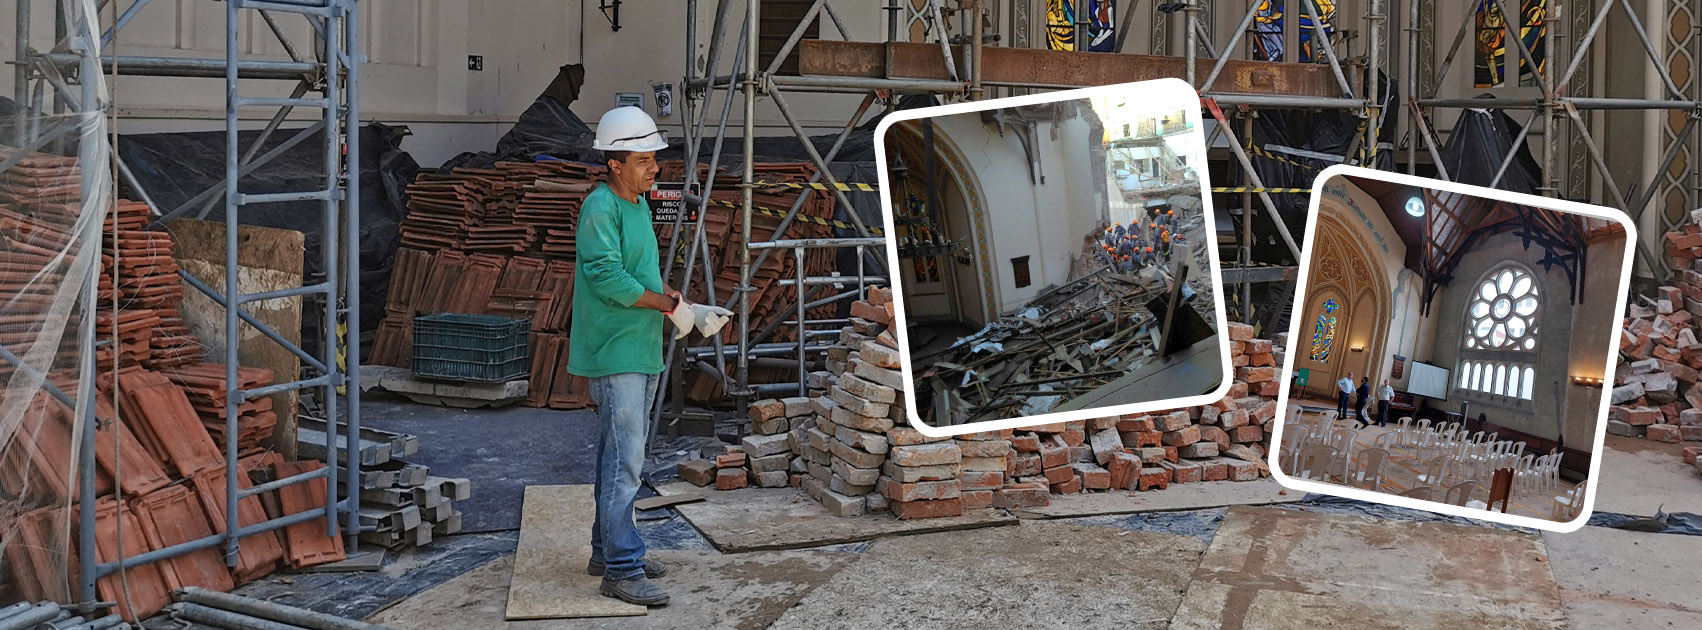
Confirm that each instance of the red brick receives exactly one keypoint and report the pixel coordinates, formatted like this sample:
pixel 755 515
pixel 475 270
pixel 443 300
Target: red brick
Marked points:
pixel 731 479
pixel 1238 390
pixel 1151 455
pixel 1174 421
pixel 1187 435
pixel 1172 454
pixel 982 480
pixel 1059 475
pixel 870 312
pixel 1122 469
pixel 1247 434
pixel 1053 456
pixel 1093 477
pixel 730 460
pixel 1636 416
pixel 1069 487
pixel 1215 435
pixel 1269 389
pixel 972 449
pixel 1240 332
pixel 1184 472
pixel 1023 465
pixel 1142 423
pixel 698 472
pixel 907 510
pixel 1258 346
pixel 1026 442
pixel 919 491
pixel 977 499
pixel 1144 439
pixel 1241 470
pixel 1690 434
pixel 1005 434
pixel 1214 470
pixel 766 410
pixel 1690 453
pixel 1154 477
pixel 1664 433
pixel 1022 495
pixel 1074 437
pixel 1255 375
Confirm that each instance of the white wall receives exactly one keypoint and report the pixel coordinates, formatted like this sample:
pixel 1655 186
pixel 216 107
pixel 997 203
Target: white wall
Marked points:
pixel 1370 225
pixel 417 72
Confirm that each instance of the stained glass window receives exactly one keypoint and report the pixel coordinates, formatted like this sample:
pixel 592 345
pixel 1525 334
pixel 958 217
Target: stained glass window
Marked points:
pixel 1324 333
pixel 1495 52
pixel 1501 317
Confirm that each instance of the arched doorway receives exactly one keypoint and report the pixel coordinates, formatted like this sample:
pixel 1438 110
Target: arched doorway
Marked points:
pixel 941 287
pixel 1346 311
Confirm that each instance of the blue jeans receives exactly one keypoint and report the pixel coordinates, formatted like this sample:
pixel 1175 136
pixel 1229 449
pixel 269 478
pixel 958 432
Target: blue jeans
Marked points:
pixel 623 405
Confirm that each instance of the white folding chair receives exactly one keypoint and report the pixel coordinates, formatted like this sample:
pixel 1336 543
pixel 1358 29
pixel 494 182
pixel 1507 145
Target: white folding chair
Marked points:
pixel 1315 462
pixel 1403 431
pixel 1433 470
pixel 1460 493
pixel 1568 504
pixel 1421 493
pixel 1385 440
pixel 1368 473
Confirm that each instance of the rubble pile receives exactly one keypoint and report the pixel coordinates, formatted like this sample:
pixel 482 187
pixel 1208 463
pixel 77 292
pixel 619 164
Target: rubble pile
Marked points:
pixel 1655 393
pixel 849 445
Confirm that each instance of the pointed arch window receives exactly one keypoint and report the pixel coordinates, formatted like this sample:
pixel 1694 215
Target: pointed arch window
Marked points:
pixel 1324 332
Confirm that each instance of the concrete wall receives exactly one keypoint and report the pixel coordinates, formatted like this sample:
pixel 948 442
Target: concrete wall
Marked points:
pixel 1044 221
pixel 1552 357
pixel 1591 333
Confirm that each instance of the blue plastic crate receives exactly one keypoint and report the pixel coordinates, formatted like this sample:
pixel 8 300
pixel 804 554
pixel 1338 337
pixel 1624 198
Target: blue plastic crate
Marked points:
pixel 478 348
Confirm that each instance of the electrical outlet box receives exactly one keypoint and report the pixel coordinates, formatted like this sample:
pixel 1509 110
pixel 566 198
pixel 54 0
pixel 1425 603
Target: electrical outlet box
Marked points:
pixel 475 62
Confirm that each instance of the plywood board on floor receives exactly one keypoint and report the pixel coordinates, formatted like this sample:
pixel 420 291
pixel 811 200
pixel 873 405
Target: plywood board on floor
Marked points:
pixel 1186 496
pixel 1282 568
pixel 1034 575
pixel 706 590
pixel 757 519
pixel 549 580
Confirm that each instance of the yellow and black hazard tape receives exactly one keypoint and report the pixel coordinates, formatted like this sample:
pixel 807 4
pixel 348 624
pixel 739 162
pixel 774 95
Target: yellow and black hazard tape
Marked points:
pixel 853 187
pixel 1250 189
pixel 1261 152
pixel 874 230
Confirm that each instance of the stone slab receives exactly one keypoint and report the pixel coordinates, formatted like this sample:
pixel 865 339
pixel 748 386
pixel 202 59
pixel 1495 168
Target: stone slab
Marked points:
pixel 1036 575
pixel 1187 496
pixel 1611 578
pixel 761 519
pixel 466 395
pixel 1290 569
pixel 549 580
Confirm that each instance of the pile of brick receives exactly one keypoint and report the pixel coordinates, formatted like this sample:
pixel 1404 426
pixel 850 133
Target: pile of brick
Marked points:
pixel 1655 394
pixel 500 241
pixel 159 468
pixel 855 453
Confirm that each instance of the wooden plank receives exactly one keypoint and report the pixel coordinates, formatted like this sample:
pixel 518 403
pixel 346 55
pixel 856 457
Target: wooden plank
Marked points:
pixel 1047 67
pixel 549 580
pixel 270 259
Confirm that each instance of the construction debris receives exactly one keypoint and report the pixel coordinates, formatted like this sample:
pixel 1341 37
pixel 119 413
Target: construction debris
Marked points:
pixel 849 445
pixel 1655 393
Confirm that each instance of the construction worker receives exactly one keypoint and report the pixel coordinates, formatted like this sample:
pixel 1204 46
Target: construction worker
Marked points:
pixel 1128 266
pixel 1120 232
pixel 619 302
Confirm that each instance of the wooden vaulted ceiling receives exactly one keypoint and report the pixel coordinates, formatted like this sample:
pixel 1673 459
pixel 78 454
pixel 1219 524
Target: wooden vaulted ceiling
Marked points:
pixel 1454 224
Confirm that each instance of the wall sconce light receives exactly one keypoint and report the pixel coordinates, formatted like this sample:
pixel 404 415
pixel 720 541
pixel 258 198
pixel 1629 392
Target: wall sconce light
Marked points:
pixel 1586 381
pixel 1357 348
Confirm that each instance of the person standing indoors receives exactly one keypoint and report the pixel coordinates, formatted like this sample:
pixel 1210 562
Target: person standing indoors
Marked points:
pixel 1385 396
pixel 1361 395
pixel 619 302
pixel 1344 387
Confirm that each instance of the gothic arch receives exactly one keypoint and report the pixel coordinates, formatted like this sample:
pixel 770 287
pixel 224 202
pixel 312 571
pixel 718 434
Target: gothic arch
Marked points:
pixel 1346 270
pixel 906 136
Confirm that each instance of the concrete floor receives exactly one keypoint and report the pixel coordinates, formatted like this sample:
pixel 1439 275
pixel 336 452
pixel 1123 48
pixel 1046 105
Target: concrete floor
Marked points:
pixel 1639 476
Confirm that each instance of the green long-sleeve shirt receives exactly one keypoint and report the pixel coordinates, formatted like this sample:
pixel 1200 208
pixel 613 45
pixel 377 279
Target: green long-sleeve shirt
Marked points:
pixel 617 262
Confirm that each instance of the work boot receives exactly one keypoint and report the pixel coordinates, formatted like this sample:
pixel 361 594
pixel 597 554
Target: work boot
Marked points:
pixel 652 568
pixel 635 590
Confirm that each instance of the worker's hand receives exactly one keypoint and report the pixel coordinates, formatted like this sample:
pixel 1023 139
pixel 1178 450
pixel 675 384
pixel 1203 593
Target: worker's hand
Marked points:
pixel 683 317
pixel 710 318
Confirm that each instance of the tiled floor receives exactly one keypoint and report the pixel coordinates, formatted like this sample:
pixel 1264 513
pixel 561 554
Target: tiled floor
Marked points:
pixel 1401 471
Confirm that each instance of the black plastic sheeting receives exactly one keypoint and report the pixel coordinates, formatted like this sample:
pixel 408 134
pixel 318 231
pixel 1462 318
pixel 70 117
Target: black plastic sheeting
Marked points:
pixel 1480 141
pixel 175 167
pixel 1328 132
pixel 1683 523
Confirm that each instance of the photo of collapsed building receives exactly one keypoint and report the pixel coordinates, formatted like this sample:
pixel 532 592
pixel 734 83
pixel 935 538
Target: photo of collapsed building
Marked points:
pixel 1053 257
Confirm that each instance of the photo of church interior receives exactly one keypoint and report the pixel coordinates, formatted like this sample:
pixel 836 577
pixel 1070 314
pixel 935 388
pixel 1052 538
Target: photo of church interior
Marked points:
pixel 1461 330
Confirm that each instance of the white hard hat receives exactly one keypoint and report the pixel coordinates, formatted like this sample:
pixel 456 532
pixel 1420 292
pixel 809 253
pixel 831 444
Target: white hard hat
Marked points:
pixel 629 128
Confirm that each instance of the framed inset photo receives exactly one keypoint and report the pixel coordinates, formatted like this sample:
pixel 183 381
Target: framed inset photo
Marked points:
pixel 1054 257
pixel 1456 342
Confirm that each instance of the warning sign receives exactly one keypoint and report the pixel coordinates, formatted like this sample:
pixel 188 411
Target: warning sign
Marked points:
pixel 667 202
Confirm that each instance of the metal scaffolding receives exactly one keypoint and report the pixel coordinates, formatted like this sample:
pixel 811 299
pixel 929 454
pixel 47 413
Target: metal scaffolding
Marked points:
pixel 72 70
pixel 966 67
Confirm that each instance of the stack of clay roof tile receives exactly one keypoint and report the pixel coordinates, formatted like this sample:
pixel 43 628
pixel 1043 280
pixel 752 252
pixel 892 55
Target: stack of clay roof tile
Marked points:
pixel 204 383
